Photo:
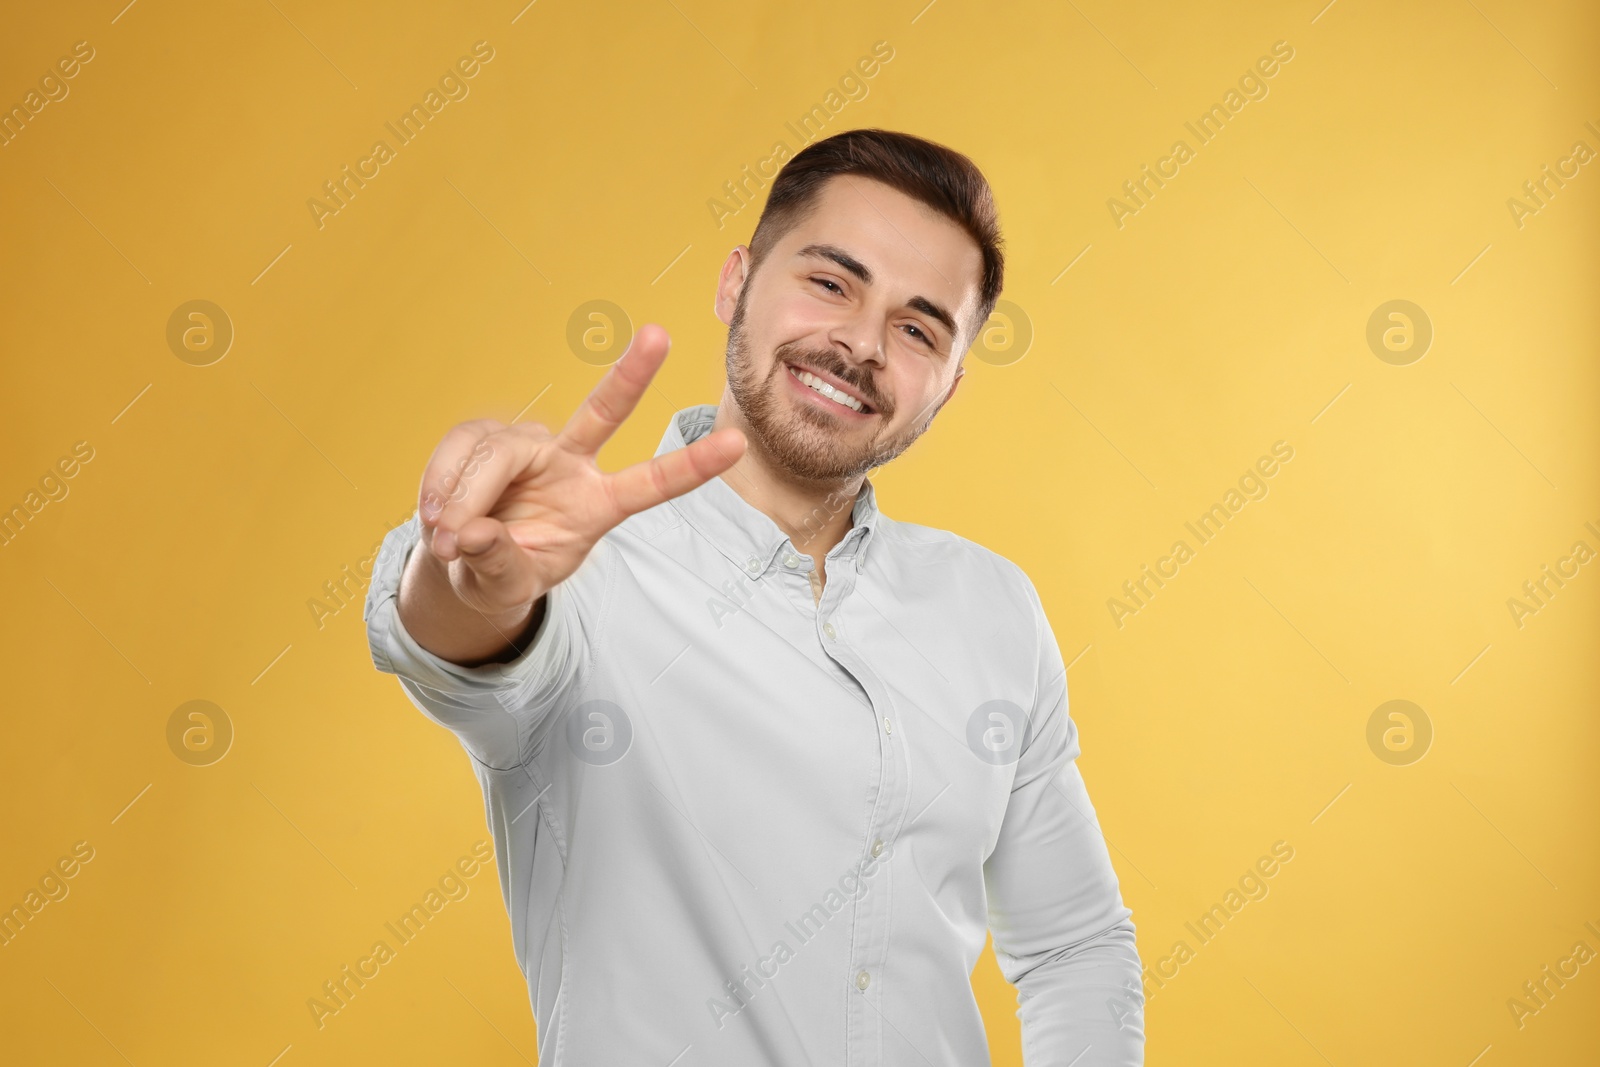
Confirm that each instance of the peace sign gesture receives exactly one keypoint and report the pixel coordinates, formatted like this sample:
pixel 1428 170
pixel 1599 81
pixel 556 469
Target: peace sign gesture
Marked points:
pixel 508 512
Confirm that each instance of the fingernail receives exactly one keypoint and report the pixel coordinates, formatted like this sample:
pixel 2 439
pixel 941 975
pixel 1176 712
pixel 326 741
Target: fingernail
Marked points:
pixel 444 542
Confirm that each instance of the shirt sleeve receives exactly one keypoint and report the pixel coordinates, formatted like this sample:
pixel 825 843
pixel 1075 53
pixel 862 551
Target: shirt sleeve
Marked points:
pixel 1061 933
pixel 494 709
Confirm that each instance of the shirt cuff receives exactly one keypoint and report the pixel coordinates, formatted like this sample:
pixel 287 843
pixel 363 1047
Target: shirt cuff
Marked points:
pixel 493 686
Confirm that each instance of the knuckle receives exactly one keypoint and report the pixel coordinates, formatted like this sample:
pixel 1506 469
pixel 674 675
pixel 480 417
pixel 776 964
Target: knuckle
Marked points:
pixel 602 407
pixel 658 477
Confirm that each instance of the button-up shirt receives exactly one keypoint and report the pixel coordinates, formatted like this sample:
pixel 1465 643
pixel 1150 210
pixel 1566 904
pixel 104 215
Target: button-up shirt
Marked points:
pixel 738 825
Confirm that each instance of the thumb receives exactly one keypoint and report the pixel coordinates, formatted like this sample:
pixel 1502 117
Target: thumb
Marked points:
pixel 487 550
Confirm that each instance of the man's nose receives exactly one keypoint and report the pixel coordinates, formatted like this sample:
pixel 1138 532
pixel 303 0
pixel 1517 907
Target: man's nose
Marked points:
pixel 861 338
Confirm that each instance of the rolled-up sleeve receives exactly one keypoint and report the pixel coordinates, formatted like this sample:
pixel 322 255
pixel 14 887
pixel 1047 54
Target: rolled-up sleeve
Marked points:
pixel 1062 934
pixel 495 709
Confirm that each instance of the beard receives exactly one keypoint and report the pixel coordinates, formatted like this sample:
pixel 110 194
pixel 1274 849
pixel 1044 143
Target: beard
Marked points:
pixel 805 442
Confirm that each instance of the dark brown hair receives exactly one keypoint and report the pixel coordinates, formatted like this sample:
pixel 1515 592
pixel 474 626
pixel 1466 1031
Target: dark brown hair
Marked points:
pixel 939 177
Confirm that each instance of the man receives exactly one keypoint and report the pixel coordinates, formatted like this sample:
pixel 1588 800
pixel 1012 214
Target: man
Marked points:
pixel 762 764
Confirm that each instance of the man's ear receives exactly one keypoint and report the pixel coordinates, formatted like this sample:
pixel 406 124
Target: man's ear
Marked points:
pixel 961 372
pixel 735 271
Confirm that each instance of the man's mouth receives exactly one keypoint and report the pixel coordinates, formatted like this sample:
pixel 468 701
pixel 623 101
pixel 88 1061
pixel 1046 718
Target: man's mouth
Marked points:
pixel 837 393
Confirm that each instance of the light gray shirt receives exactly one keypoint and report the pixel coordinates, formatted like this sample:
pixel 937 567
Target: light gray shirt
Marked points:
pixel 737 826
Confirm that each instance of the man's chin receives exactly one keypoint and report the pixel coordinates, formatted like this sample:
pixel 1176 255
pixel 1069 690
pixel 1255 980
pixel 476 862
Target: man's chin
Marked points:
pixel 814 446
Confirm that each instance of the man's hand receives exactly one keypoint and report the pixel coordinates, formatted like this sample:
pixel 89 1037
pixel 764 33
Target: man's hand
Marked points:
pixel 510 511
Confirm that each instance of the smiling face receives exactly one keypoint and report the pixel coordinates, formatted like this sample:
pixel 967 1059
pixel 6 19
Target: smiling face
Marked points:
pixel 846 341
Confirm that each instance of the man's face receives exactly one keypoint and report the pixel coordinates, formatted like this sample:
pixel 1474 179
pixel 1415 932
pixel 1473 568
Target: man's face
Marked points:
pixel 871 296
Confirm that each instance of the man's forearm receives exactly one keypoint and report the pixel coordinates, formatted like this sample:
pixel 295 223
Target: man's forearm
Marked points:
pixel 444 624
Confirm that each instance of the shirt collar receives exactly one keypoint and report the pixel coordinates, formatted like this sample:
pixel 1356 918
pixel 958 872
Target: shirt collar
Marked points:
pixel 743 533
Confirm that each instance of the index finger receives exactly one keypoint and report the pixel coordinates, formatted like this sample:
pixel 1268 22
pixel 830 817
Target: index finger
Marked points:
pixel 614 399
pixel 442 477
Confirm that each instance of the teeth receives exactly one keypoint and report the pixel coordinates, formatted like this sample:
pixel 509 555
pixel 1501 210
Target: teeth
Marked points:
pixel 820 386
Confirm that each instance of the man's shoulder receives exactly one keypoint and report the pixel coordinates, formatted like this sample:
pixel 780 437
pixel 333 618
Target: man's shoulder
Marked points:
pixel 961 557
pixel 915 539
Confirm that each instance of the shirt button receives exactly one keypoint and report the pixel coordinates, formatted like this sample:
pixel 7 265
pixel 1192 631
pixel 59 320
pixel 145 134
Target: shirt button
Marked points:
pixel 888 727
pixel 754 566
pixel 791 561
pixel 828 629
pixel 877 848
pixel 863 980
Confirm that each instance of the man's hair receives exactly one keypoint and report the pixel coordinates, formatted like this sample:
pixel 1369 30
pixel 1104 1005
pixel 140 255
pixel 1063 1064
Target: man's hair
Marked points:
pixel 939 177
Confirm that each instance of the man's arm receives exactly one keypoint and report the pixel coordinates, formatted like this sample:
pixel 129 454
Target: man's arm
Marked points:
pixel 470 603
pixel 1062 935
pixel 494 706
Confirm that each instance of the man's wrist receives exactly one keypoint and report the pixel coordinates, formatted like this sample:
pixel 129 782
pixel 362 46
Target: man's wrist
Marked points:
pixel 519 631
pixel 445 624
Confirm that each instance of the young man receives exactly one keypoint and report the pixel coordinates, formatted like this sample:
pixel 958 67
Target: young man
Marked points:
pixel 762 764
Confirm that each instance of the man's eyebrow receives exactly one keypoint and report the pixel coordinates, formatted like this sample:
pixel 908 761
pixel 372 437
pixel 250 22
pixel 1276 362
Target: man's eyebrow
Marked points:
pixel 850 263
pixel 928 307
pixel 841 257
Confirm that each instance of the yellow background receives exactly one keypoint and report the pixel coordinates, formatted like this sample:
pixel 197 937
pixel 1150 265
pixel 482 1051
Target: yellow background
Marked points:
pixel 1228 314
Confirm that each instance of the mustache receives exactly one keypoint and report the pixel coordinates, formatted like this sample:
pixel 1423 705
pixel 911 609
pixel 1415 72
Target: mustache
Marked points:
pixel 824 359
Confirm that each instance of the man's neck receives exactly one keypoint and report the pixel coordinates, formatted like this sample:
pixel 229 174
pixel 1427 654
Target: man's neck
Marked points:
pixel 815 515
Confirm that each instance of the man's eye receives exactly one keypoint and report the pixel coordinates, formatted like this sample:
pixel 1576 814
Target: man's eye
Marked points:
pixel 829 282
pixel 924 338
